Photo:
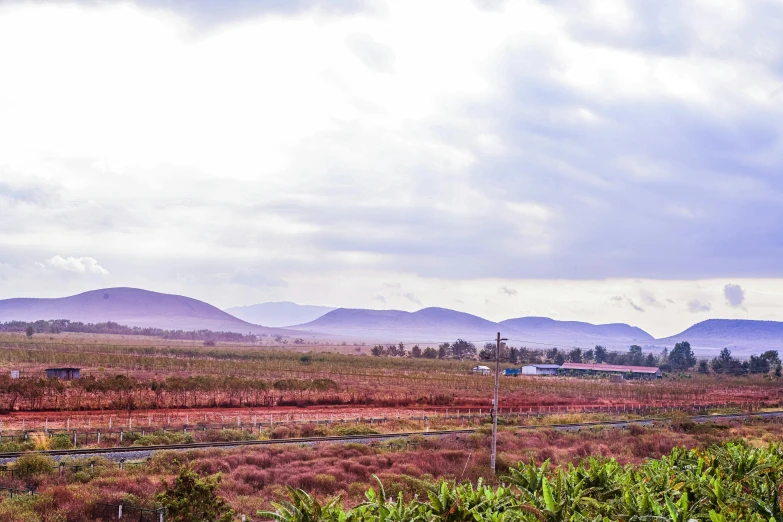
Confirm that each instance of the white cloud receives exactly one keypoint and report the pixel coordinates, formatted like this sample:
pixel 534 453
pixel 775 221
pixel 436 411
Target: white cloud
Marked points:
pixel 696 306
pixel 80 265
pixel 734 294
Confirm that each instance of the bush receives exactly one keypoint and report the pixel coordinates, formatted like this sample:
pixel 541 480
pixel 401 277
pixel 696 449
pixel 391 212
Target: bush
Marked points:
pixel 192 498
pixel 16 447
pixel 60 441
pixel 161 437
pixel 354 429
pixel 34 464
pixel 226 436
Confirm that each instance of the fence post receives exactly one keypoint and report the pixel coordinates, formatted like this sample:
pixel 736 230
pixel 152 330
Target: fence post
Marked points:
pixel 160 514
pixel 74 438
pixel 62 467
pixel 99 437
pixel 122 464
pixel 119 511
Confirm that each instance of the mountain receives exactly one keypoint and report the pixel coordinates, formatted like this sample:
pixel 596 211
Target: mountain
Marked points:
pixel 132 307
pixel 742 336
pixel 442 324
pixel 426 325
pixel 576 332
pixel 279 314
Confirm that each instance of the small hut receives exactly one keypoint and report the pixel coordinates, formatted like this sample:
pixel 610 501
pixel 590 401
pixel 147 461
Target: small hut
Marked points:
pixel 64 374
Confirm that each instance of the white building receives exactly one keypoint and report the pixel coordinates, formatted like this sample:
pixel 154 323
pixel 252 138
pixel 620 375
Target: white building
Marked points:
pixel 481 370
pixel 540 369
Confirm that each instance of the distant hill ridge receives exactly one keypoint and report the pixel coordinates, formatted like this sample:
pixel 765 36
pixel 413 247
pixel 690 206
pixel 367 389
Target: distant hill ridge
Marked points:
pixel 131 307
pixel 143 308
pixel 432 324
pixel 282 313
pixel 742 335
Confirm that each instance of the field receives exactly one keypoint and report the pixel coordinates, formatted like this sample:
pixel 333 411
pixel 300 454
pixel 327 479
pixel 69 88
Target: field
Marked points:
pixel 136 392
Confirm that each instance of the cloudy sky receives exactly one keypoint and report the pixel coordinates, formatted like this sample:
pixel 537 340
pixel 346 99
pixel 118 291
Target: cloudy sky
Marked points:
pixel 596 160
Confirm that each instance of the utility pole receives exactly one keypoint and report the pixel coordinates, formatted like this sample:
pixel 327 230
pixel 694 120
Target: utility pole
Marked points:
pixel 493 456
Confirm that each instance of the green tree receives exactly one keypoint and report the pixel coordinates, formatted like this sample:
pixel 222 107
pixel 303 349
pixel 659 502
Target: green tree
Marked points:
pixel 725 363
pixel 635 355
pixel 772 357
pixel 600 354
pixel 29 331
pixel 575 355
pixel 444 350
pixel 488 352
pixel 430 353
pixel 192 498
pixel 462 349
pixel 681 356
pixel 416 351
pixel 758 364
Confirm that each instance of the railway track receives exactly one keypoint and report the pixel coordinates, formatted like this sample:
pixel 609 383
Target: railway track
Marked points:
pixel 619 424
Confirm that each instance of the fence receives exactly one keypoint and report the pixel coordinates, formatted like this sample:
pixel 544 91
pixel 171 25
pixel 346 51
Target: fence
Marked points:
pixel 12 491
pixel 105 512
pixel 62 468
pixel 122 436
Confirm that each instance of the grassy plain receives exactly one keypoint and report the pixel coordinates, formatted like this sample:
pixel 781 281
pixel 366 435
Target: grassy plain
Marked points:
pixel 148 381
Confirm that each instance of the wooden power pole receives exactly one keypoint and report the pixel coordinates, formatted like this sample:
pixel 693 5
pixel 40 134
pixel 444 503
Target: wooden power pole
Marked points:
pixel 493 456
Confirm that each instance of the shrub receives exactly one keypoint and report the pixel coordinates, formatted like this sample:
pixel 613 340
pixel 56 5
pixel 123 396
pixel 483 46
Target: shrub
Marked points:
pixel 164 437
pixel 60 441
pixel 354 429
pixel 228 435
pixel 192 498
pixel 34 464
pixel 16 447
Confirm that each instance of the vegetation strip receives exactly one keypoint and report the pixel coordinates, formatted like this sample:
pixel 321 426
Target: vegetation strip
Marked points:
pixel 342 438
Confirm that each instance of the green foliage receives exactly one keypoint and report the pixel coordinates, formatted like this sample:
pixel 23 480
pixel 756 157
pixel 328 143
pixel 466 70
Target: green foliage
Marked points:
pixel 60 441
pixel 33 464
pixel 681 356
pixel 15 446
pixel 353 429
pixel 727 483
pixel 161 437
pixel 192 498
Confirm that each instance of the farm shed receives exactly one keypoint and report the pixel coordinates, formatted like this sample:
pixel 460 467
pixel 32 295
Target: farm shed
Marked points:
pixel 481 370
pixel 632 372
pixel 540 369
pixel 62 373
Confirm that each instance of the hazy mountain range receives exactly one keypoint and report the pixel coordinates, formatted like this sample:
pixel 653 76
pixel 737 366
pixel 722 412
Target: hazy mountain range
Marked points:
pixel 438 324
pixel 134 307
pixel 283 313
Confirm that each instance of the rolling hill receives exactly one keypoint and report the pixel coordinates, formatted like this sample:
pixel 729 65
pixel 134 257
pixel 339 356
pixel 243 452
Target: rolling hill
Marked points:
pixel 131 307
pixel 282 313
pixel 442 324
pixel 742 336
pixel 576 332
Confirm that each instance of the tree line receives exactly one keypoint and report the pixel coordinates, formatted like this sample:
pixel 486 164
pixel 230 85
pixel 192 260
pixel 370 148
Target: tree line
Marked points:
pixel 681 357
pixel 128 393
pixel 64 325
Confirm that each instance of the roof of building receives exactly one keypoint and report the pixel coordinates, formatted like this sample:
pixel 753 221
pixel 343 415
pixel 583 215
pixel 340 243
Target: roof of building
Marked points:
pixel 481 367
pixel 609 367
pixel 545 366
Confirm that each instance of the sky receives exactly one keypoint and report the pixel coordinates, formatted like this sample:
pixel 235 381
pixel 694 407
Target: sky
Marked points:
pixel 597 160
